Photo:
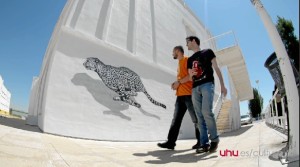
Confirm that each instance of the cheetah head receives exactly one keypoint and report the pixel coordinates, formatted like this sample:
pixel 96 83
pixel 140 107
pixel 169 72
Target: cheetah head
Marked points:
pixel 92 63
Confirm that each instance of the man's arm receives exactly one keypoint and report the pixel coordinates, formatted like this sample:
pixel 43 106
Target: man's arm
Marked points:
pixel 217 70
pixel 185 79
pixel 176 84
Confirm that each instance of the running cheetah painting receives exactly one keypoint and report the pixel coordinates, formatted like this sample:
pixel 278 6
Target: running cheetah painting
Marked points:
pixel 122 80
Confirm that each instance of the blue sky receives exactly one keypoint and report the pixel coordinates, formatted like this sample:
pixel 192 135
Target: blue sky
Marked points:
pixel 26 28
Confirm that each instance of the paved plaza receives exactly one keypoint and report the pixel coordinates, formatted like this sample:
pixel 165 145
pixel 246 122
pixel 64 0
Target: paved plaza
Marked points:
pixel 21 145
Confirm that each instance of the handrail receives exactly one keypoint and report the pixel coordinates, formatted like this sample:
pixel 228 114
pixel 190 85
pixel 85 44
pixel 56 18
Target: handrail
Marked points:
pixel 271 113
pixel 216 40
pixel 217 106
pixel 218 36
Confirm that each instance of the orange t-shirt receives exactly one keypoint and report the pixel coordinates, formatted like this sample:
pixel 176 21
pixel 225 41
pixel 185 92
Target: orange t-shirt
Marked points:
pixel 182 71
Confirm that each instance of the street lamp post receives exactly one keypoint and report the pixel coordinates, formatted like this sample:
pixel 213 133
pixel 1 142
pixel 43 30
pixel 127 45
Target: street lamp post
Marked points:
pixel 288 79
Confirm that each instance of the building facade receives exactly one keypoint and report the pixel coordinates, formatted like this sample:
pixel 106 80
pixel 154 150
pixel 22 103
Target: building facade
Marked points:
pixel 72 96
pixel 4 97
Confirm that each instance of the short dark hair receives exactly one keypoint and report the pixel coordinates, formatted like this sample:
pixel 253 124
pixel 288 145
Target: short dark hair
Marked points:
pixel 191 38
pixel 180 48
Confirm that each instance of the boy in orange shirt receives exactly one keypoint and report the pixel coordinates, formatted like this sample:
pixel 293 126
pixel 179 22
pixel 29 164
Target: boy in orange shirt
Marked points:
pixel 183 87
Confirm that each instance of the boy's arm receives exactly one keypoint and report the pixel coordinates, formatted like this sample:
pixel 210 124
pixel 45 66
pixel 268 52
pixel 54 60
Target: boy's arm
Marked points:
pixel 176 84
pixel 217 70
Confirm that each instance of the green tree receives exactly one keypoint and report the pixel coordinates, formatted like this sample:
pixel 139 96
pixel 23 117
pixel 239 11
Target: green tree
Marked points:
pixel 256 104
pixel 286 31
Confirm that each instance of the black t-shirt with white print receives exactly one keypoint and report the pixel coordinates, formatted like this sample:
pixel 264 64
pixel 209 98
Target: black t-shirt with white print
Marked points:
pixel 202 61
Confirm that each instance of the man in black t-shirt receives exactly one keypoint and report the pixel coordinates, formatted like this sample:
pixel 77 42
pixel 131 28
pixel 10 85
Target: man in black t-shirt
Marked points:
pixel 200 66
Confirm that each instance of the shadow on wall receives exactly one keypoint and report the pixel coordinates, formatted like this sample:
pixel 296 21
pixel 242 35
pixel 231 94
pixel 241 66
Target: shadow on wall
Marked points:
pixel 104 96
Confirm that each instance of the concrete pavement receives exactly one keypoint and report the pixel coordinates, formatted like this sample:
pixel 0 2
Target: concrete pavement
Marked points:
pixel 22 145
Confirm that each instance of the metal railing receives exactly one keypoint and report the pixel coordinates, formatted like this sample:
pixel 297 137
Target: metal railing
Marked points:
pixel 218 105
pixel 219 42
pixel 275 113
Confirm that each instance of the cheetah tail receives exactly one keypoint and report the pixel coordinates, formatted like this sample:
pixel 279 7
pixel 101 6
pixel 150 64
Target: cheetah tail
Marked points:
pixel 154 101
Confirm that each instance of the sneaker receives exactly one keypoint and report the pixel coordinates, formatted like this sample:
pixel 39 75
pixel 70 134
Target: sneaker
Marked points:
pixel 202 149
pixel 166 145
pixel 196 146
pixel 213 146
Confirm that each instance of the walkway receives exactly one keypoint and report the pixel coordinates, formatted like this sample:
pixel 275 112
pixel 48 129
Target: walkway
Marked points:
pixel 23 146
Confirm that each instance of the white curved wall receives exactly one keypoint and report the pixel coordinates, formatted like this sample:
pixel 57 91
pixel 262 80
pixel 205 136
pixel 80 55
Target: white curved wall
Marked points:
pixel 4 97
pixel 138 34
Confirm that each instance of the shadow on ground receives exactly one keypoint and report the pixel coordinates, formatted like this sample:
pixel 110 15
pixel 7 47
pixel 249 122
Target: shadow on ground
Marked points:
pixel 278 128
pixel 170 156
pixel 18 124
pixel 240 131
pixel 276 156
pixel 281 155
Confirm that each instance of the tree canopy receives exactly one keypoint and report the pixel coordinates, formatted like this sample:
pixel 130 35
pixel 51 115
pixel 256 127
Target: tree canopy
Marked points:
pixel 256 104
pixel 286 31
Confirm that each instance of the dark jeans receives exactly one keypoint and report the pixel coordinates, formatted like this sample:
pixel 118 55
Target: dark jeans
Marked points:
pixel 182 104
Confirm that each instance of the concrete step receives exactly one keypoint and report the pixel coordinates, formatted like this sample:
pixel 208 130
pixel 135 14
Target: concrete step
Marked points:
pixel 223 118
pixel 224 114
pixel 224 131
pixel 222 126
pixel 223 123
pixel 224 110
pixel 226 105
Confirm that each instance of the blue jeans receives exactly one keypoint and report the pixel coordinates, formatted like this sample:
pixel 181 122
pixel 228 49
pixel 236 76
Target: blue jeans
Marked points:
pixel 182 104
pixel 202 97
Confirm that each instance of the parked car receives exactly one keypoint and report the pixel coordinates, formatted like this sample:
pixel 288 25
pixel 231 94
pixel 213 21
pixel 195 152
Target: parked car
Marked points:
pixel 246 119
